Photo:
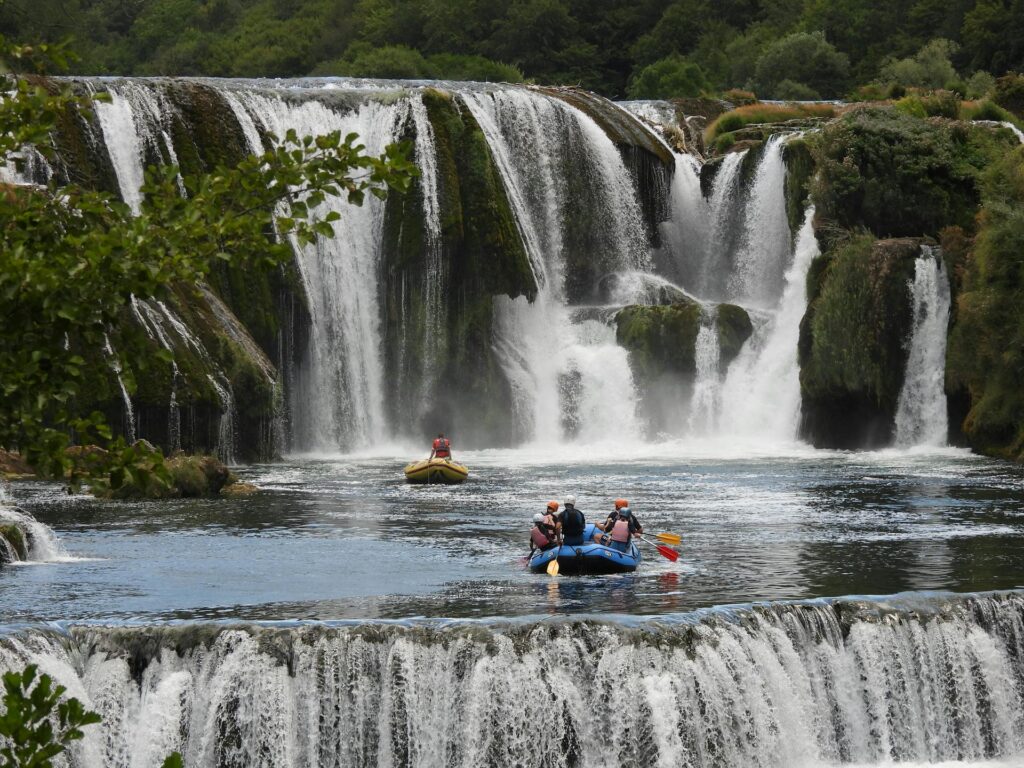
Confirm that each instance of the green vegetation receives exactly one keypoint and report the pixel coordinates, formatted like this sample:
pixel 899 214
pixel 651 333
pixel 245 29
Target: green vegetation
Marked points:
pixel 71 259
pixel 851 348
pixel 787 50
pixel 669 78
pixel 753 114
pixel 986 347
pixel 38 724
pixel 896 175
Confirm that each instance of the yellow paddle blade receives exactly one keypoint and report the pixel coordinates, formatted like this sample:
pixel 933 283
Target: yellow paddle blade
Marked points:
pixel 553 567
pixel 669 538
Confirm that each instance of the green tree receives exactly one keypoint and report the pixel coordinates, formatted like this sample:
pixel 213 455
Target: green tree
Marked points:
pixel 806 58
pixel 993 35
pixel 672 77
pixel 72 259
pixel 38 724
pixel 930 67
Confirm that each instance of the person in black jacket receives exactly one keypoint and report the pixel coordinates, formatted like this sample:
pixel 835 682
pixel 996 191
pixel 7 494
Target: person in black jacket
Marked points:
pixel 573 522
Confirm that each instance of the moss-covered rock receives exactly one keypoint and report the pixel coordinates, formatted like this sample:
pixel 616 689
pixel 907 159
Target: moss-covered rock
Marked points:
pixel 799 172
pixel 985 355
pixel 852 347
pixel 17 546
pixel 734 328
pixel 897 175
pixel 192 476
pixel 662 339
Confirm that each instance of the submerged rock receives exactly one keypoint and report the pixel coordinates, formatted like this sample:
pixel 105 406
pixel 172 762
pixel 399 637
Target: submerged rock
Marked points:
pixel 14 544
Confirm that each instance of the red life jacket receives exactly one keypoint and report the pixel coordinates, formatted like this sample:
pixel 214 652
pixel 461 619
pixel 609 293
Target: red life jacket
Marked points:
pixel 620 531
pixel 538 536
pixel 442 448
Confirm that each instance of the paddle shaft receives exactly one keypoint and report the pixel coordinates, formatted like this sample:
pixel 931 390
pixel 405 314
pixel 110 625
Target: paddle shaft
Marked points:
pixel 665 552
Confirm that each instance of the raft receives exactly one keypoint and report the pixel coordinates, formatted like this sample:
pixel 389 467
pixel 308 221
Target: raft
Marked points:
pixel 436 471
pixel 588 558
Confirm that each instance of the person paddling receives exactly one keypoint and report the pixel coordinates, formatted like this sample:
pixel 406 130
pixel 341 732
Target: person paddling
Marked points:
pixel 442 448
pixel 573 523
pixel 542 536
pixel 619 528
pixel 552 521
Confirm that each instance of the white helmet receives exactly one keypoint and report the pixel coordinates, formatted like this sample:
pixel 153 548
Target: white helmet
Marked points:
pixel 538 518
pixel 570 499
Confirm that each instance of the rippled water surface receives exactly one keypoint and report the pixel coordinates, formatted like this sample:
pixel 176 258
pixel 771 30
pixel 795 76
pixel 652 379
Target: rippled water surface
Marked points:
pixel 345 537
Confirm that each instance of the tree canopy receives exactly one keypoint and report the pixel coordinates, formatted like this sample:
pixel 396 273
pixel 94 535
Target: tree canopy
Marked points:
pixel 603 45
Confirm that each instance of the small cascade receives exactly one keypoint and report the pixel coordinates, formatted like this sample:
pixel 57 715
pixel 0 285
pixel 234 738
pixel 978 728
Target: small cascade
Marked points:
pixel 710 280
pixel 707 384
pixel 912 679
pixel 761 393
pixel 763 255
pixel 129 412
pixel 686 234
pixel 1017 131
pixel 921 417
pixel 40 540
pixel 226 424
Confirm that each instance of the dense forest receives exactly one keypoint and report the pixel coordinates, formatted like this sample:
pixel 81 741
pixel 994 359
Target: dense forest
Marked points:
pixel 787 49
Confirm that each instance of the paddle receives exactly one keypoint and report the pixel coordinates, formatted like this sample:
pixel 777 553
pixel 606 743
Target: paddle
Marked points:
pixel 669 538
pixel 553 565
pixel 669 554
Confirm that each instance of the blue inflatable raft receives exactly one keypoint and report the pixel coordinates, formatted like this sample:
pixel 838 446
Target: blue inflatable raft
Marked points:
pixel 588 557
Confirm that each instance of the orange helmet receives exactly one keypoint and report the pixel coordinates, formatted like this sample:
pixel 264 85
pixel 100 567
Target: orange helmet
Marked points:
pixel 620 503
pixel 552 505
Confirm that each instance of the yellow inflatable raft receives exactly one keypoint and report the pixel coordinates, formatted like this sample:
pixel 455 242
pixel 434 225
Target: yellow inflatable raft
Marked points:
pixel 439 471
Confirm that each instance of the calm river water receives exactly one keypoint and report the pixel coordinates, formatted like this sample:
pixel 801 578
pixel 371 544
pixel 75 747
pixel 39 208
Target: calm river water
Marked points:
pixel 345 537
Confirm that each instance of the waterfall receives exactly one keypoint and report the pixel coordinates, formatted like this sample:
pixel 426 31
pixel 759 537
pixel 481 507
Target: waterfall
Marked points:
pixel 761 394
pixel 686 233
pixel 921 417
pixel 724 204
pixel 129 412
pixel 707 384
pixel 40 540
pixel 1016 131
pixel 553 364
pixel 775 686
pixel 338 397
pixel 765 249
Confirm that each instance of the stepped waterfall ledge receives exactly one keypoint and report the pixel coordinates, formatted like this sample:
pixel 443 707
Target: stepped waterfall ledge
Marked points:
pixel 782 685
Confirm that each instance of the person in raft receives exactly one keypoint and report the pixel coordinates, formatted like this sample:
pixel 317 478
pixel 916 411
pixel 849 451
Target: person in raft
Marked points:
pixel 442 447
pixel 544 533
pixel 573 523
pixel 552 520
pixel 619 528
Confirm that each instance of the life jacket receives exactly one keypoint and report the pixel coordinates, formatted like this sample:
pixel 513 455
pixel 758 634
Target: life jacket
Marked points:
pixel 620 531
pixel 538 536
pixel 549 523
pixel 442 448
pixel 574 522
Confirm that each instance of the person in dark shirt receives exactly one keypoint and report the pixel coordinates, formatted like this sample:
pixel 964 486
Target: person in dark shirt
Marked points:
pixel 573 522
pixel 619 528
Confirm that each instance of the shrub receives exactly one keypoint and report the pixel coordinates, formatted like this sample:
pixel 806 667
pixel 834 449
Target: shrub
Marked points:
pixel 739 97
pixel 870 92
pixel 791 90
pixel 980 85
pixel 985 110
pixel 896 175
pixel 765 113
pixel 912 106
pixel 1009 93
pixel 930 67
pixel 671 77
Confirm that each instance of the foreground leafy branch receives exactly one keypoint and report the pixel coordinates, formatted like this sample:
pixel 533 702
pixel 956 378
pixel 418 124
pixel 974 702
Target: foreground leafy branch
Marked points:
pixel 72 260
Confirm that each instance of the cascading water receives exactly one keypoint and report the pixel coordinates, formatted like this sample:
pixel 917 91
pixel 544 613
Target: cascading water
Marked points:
pixel 712 277
pixel 786 686
pixel 41 542
pixel 763 255
pixel 761 393
pixel 921 417
pixel 705 402
pixel 338 395
pixel 549 360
